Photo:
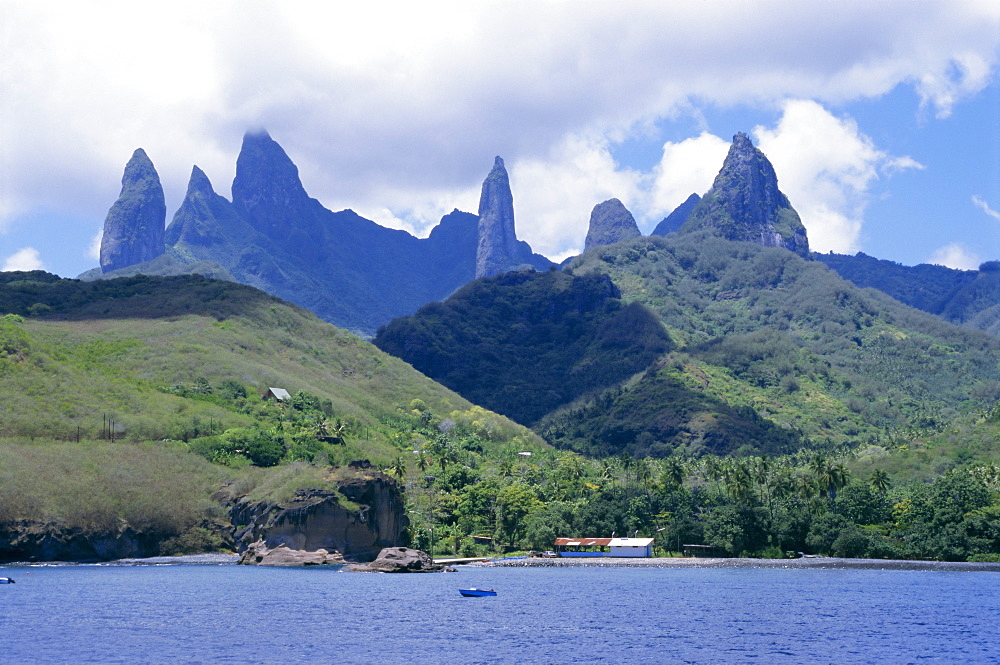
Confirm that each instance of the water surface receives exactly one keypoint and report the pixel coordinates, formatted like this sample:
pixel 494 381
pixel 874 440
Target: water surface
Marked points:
pixel 241 614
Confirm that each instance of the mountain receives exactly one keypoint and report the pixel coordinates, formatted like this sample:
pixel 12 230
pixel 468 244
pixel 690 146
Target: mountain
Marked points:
pixel 347 269
pixel 524 343
pixel 968 298
pixel 675 220
pixel 133 228
pixel 770 353
pixel 498 248
pixel 610 222
pixel 745 203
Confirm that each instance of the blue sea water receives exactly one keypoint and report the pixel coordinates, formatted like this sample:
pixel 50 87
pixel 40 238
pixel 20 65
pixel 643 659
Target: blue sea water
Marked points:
pixel 244 614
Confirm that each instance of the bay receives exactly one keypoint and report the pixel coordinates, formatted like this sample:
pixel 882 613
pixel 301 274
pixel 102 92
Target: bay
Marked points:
pixel 241 614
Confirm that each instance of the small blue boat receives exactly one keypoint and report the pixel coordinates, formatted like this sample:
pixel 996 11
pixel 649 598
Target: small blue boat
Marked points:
pixel 6 580
pixel 472 593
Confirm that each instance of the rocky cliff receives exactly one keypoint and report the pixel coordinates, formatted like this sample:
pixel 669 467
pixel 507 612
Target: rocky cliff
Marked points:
pixel 499 250
pixel 745 203
pixel 349 270
pixel 134 226
pixel 610 222
pixel 353 523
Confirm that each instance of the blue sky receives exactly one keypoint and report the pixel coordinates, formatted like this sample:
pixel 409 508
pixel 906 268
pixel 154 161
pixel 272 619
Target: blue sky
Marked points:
pixel 882 119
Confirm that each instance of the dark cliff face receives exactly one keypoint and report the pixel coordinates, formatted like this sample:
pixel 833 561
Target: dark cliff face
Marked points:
pixel 316 520
pixel 267 189
pixel 497 239
pixel 498 249
pixel 745 203
pixel 134 227
pixel 610 222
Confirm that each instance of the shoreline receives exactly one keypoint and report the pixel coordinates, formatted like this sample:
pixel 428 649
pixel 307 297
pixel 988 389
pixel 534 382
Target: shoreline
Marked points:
pixel 805 563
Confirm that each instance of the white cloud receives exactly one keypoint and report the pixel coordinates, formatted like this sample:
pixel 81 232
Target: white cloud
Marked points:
pixel 94 247
pixel 554 196
pixel 980 203
pixel 23 259
pixel 955 255
pixel 687 167
pixel 825 166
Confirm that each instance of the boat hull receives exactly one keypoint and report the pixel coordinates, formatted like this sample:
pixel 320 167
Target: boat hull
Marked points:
pixel 474 593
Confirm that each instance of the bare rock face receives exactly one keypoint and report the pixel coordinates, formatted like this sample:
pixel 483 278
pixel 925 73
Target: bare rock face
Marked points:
pixel 258 553
pixel 317 526
pixel 497 239
pixel 499 250
pixel 134 227
pixel 610 222
pixel 400 560
pixel 745 203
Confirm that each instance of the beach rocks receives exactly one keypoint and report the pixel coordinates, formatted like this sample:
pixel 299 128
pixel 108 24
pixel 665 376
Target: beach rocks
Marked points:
pixel 259 554
pixel 401 560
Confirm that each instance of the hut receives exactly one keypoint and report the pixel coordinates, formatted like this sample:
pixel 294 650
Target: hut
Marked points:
pixel 276 394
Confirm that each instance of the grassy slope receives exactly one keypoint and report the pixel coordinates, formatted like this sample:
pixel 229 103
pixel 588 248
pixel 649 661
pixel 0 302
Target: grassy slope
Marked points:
pixel 114 357
pixel 115 348
pixel 763 328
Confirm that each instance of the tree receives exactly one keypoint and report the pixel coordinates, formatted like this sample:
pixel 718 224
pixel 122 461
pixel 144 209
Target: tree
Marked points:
pixel 879 481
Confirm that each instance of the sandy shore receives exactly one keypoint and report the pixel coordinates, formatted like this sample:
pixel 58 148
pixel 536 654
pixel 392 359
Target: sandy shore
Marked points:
pixel 805 562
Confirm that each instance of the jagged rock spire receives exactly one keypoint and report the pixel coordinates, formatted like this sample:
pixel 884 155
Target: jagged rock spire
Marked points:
pixel 498 246
pixel 267 189
pixel 745 203
pixel 134 226
pixel 610 222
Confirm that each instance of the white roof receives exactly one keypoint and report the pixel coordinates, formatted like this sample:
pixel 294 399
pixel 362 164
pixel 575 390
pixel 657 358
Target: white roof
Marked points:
pixel 279 393
pixel 630 542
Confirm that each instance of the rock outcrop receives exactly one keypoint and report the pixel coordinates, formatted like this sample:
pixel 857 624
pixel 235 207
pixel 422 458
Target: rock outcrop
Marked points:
pixel 134 226
pixel 745 203
pixel 675 220
pixel 610 222
pixel 317 527
pixel 401 560
pixel 499 250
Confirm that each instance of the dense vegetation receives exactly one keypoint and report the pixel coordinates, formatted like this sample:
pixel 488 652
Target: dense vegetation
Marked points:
pixel 931 498
pixel 964 297
pixel 525 343
pixel 121 393
pixel 771 353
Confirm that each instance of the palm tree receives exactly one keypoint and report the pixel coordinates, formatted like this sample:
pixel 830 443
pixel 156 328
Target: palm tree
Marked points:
pixel 879 481
pixel 397 467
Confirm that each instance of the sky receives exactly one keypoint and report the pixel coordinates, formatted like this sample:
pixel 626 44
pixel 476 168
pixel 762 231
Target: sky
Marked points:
pixel 882 120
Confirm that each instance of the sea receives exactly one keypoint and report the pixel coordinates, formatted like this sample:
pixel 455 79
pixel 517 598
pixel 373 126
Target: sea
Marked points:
pixel 215 612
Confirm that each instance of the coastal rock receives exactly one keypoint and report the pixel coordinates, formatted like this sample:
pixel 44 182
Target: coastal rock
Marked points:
pixel 317 520
pixel 745 203
pixel 400 560
pixel 675 220
pixel 610 222
pixel 27 540
pixel 258 553
pixel 134 226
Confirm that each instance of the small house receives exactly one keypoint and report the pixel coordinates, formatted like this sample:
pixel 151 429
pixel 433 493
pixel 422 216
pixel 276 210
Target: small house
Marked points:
pixel 600 547
pixel 631 547
pixel 276 394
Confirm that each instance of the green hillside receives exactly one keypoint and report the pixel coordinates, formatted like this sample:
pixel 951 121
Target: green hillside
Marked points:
pixel 524 343
pixel 131 401
pixel 771 353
